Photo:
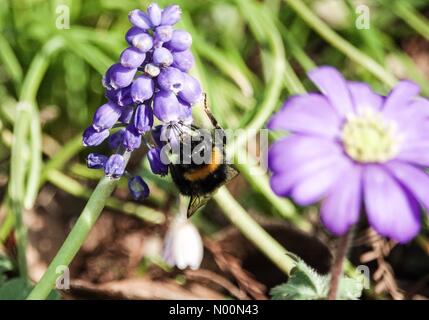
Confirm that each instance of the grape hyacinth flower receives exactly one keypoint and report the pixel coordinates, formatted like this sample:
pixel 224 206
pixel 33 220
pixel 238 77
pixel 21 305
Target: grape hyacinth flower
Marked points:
pixel 149 82
pixel 354 149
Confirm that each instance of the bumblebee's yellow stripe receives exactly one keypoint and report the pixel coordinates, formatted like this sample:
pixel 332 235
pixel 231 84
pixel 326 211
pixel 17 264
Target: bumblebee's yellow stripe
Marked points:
pixel 204 171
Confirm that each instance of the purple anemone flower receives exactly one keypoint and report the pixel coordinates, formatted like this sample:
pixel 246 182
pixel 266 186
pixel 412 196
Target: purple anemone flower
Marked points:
pixel 355 150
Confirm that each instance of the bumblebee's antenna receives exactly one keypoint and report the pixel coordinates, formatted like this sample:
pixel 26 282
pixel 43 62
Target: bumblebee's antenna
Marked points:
pixel 210 114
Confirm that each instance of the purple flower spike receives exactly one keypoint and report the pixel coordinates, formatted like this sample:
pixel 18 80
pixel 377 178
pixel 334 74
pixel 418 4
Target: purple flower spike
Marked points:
pixel 142 89
pixel 96 161
pixel 152 70
pixel 106 116
pixel 142 41
pixel 162 56
pixel 132 57
pixel 156 162
pixel 156 135
pixel 184 112
pixel 171 79
pixel 138 188
pixel 132 32
pixel 127 114
pixel 154 13
pixel 171 15
pixel 143 119
pixel 118 76
pixel 183 60
pixel 92 138
pixel 115 166
pixel 165 106
pixel 116 140
pixel 122 96
pixel 132 138
pixel 354 149
pixel 191 90
pixel 180 41
pixel 163 33
pixel 139 19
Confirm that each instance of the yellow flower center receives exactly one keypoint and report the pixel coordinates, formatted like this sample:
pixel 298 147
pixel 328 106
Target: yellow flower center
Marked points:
pixel 368 137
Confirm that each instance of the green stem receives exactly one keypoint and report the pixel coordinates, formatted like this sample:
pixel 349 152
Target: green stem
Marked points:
pixel 74 188
pixel 410 16
pixel 10 61
pixel 25 112
pixel 253 231
pixel 257 178
pixel 76 237
pixel 17 181
pixel 70 149
pixel 319 26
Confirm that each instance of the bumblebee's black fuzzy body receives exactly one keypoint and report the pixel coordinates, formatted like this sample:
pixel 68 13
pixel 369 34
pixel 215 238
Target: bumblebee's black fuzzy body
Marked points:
pixel 200 179
pixel 192 187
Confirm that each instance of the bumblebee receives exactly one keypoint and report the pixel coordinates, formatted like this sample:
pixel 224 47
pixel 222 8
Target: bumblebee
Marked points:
pixel 202 167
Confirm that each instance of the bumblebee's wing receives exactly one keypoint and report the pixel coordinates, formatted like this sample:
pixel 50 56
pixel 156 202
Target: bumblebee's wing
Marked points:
pixel 198 201
pixel 231 173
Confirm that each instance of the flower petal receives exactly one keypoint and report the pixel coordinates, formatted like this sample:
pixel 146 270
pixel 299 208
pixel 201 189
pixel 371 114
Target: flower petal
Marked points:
pixel 399 97
pixel 416 152
pixel 341 208
pixel 312 188
pixel 363 96
pixel 390 208
pixel 414 179
pixel 293 150
pixel 310 114
pixel 332 84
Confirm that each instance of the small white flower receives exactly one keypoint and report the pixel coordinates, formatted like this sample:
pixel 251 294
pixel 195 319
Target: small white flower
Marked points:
pixel 183 246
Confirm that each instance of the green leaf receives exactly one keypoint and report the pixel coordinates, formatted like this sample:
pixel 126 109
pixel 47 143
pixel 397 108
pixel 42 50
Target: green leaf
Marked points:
pixel 5 264
pixel 19 289
pixel 349 289
pixel 15 289
pixel 306 284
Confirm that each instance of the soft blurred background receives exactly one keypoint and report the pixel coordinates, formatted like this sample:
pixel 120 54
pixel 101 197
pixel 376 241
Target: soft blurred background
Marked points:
pixel 250 55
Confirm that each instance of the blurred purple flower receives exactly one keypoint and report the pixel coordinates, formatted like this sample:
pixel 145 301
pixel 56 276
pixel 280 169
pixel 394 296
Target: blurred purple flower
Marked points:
pixel 138 188
pixel 354 149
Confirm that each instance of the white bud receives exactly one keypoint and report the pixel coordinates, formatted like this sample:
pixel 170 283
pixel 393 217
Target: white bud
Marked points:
pixel 183 246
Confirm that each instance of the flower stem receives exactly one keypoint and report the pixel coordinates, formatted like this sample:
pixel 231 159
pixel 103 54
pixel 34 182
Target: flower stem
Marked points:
pixel 25 120
pixel 253 231
pixel 338 264
pixel 340 43
pixel 410 16
pixel 76 237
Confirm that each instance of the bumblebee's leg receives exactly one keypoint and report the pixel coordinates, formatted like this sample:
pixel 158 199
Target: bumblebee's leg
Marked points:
pixel 210 114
